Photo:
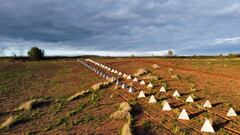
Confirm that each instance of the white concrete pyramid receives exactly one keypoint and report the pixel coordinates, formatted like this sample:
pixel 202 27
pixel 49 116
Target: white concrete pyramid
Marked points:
pixel 152 100
pixel 176 94
pixel 162 89
pixel 150 85
pixel 183 115
pixel 117 82
pixel 207 104
pixel 112 70
pixel 115 71
pixel 141 94
pixel 129 77
pixel 135 79
pixel 130 90
pixel 124 86
pixel 231 112
pixel 207 127
pixel 109 69
pixel 124 75
pixel 120 73
pixel 166 106
pixel 189 99
pixel 142 82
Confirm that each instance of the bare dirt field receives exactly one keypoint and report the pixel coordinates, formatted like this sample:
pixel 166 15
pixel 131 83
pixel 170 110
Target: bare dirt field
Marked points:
pixel 216 80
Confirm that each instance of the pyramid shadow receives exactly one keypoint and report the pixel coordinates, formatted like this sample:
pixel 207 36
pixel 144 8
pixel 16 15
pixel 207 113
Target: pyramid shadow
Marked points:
pixel 198 99
pixel 162 99
pixel 157 85
pixel 183 94
pixel 218 126
pixel 217 104
pixel 177 106
pixel 196 114
pixel 238 112
pixel 169 90
pixel 136 109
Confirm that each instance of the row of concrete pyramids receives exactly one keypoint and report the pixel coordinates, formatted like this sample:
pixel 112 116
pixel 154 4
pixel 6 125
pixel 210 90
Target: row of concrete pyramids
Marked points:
pixel 207 126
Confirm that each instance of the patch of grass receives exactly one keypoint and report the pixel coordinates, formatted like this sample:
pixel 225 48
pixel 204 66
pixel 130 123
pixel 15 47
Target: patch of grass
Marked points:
pixel 224 131
pixel 186 131
pixel 96 96
pixel 88 118
pixel 81 107
pixel 176 129
pixel 146 126
pixel 62 120
pixel 3 88
pixel 13 120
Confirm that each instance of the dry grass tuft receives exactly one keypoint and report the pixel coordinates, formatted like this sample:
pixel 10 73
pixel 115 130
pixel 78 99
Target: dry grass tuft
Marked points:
pixel 175 76
pixel 170 70
pixel 126 130
pixel 101 85
pixel 78 95
pixel 141 71
pixel 150 77
pixel 121 115
pixel 155 66
pixel 124 106
pixel 124 114
pixel 32 103
pixel 11 121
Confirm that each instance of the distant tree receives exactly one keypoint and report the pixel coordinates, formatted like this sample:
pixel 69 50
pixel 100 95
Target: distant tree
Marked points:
pixel 170 53
pixel 35 53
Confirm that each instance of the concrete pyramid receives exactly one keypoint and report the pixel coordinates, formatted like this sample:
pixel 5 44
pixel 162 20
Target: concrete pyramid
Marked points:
pixel 141 94
pixel 162 89
pixel 207 104
pixel 150 85
pixel 176 94
pixel 183 115
pixel 142 82
pixel 120 73
pixel 112 70
pixel 130 90
pixel 152 100
pixel 115 71
pixel 109 69
pixel 124 75
pixel 207 127
pixel 129 77
pixel 117 82
pixel 124 86
pixel 189 99
pixel 231 112
pixel 166 106
pixel 135 79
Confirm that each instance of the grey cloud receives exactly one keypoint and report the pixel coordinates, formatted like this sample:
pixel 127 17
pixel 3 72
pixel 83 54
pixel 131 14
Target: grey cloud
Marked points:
pixel 110 25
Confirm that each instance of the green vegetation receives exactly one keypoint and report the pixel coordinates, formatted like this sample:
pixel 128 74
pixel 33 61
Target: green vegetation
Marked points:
pixel 35 53
pixel 77 110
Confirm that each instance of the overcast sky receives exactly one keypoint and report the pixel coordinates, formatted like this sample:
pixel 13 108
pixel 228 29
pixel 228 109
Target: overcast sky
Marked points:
pixel 120 27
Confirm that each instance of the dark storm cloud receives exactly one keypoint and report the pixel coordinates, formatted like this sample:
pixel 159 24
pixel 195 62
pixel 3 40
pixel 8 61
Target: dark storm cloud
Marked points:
pixel 126 25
